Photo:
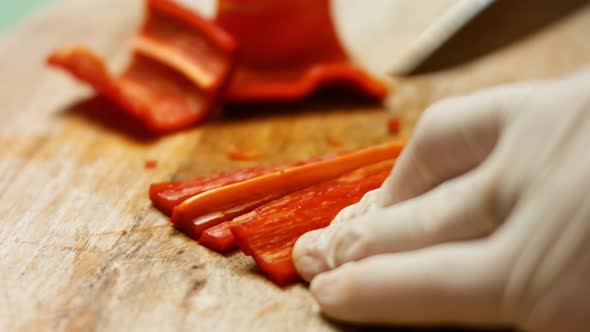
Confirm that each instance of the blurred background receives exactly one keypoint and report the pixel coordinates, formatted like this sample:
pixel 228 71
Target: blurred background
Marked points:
pixel 13 11
pixel 504 23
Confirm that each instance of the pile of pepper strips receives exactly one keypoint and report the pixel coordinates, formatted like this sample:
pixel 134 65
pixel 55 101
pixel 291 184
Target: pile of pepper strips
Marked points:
pixel 184 66
pixel 263 210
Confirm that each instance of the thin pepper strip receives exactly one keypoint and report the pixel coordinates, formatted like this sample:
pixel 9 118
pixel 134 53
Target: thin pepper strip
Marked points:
pixel 205 210
pixel 219 238
pixel 166 195
pixel 269 232
pixel 288 58
pixel 161 93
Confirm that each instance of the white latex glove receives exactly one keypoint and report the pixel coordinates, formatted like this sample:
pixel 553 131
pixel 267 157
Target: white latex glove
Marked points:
pixel 485 219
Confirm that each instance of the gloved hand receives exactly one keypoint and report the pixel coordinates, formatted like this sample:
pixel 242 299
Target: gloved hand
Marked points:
pixel 485 219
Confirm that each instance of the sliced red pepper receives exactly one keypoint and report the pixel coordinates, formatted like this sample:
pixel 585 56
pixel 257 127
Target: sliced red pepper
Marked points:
pixel 205 210
pixel 175 78
pixel 165 196
pixel 219 238
pixel 288 49
pixel 269 232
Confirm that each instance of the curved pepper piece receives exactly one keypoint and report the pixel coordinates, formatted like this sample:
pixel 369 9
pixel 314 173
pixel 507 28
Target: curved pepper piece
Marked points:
pixel 160 98
pixel 288 49
pixel 269 232
pixel 176 75
pixel 181 39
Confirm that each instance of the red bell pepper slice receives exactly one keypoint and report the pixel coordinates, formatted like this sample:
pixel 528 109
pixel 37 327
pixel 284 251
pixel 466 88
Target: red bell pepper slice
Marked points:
pixel 166 195
pixel 176 75
pixel 288 49
pixel 269 232
pixel 219 238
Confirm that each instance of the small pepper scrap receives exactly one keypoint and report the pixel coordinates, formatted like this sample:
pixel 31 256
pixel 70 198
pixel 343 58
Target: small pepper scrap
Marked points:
pixel 394 125
pixel 150 164
pixel 176 74
pixel 238 155
pixel 219 238
pixel 269 232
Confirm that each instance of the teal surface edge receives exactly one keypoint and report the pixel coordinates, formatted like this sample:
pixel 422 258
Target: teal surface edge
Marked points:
pixel 12 12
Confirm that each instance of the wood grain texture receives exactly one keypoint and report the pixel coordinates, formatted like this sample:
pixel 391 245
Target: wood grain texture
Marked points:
pixel 81 248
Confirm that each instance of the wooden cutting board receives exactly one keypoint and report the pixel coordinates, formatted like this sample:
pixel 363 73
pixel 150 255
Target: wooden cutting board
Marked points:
pixel 81 248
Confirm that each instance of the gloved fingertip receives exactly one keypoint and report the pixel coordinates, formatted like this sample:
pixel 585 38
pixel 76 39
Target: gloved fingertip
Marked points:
pixel 326 289
pixel 306 257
